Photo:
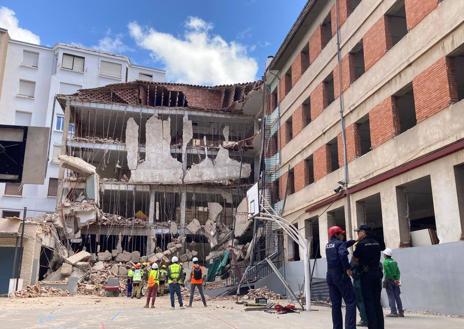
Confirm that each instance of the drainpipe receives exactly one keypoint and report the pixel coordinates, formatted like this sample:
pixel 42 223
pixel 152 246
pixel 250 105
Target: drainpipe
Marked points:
pixel 343 126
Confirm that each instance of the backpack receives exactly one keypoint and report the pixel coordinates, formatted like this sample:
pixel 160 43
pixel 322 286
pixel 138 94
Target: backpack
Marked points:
pixel 197 273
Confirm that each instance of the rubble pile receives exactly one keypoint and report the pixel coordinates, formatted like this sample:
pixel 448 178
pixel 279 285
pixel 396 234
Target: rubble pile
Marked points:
pixel 112 219
pixel 262 293
pixel 97 140
pixel 37 290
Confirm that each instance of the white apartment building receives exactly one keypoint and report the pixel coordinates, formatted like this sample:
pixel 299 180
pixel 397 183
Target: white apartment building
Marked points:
pixel 32 76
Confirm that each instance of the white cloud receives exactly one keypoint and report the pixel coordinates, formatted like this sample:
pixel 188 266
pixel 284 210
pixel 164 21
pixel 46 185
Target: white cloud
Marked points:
pixel 199 57
pixel 9 21
pixel 112 44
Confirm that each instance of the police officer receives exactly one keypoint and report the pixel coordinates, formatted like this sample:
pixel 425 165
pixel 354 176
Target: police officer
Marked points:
pixel 338 279
pixel 367 255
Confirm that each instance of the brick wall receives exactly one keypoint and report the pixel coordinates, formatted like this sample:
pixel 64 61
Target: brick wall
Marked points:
pixel 281 89
pixel 432 90
pixel 296 69
pixel 297 120
pixel 344 11
pixel 283 135
pixel 376 43
pixel 416 10
pixel 317 101
pixel 300 175
pixel 321 162
pixel 353 146
pixel 282 185
pixel 315 44
pixel 383 123
pixel 347 75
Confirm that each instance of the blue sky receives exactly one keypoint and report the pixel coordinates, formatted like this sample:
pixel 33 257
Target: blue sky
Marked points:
pixel 202 41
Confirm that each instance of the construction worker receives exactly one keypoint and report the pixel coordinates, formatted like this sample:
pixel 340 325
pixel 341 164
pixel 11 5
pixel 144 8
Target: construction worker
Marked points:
pixel 196 281
pixel 174 281
pixel 358 293
pixel 130 274
pixel 338 279
pixel 152 285
pixel 392 284
pixel 137 281
pixel 163 274
pixel 367 256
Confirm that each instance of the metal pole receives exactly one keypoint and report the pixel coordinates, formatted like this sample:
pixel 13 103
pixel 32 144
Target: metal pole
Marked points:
pixel 307 277
pixel 18 266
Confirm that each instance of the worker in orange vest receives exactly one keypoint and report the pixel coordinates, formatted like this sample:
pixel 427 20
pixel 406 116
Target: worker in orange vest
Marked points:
pixel 152 282
pixel 196 281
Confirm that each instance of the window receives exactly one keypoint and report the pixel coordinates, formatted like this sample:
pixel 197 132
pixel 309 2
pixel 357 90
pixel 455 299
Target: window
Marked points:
pixel 145 76
pixel 352 4
pixel 291 182
pixel 326 31
pixel 309 170
pixel 328 85
pixel 13 189
pixel 52 186
pixel 288 81
pixel 307 111
pixel 396 23
pixel 30 58
pixel 405 108
pixel 304 59
pixel 357 61
pixel 456 65
pixel 288 130
pixel 272 148
pixel 73 63
pixel 8 214
pixel 23 118
pixel 59 123
pixel 332 147
pixel 110 69
pixel 274 100
pixel 363 133
pixel 26 88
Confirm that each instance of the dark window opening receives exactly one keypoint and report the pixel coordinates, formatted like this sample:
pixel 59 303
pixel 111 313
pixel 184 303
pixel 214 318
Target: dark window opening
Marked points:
pixel 459 176
pixel 288 81
pixel 312 235
pixel 288 130
pixel 291 182
pixel 456 65
pixel 352 4
pixel 326 31
pixel 295 248
pixel 8 213
pixel 333 155
pixel 275 191
pixel 336 217
pixel 307 111
pixel 274 100
pixel 329 94
pixel 363 135
pixel 304 59
pixel 405 108
pixel 272 148
pixel 52 186
pixel 396 23
pixel 309 170
pixel 369 211
pixel 357 61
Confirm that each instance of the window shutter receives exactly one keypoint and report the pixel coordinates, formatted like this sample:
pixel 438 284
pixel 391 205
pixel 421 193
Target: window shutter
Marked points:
pixel 110 69
pixel 30 58
pixel 67 62
pixel 26 88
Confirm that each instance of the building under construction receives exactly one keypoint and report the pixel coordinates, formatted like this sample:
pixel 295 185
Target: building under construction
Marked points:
pixel 144 162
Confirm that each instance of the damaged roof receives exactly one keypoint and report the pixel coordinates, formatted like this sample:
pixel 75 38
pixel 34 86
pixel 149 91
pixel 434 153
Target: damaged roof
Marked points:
pixel 165 94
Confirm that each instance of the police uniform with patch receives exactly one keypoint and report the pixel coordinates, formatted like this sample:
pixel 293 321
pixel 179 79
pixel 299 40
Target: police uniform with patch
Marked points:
pixel 340 285
pixel 368 251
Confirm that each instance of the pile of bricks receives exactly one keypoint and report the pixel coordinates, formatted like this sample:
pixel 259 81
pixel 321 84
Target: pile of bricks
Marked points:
pixel 37 290
pixel 262 293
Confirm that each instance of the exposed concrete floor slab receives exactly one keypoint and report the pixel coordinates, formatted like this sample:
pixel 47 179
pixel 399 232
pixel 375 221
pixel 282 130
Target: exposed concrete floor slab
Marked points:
pixel 106 313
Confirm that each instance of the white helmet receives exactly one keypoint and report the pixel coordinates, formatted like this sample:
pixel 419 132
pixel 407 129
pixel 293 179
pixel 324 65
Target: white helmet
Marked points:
pixel 387 252
pixel 174 259
pixel 154 266
pixel 195 260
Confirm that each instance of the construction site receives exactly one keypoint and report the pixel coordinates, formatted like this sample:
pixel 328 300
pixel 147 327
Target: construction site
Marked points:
pixel 356 122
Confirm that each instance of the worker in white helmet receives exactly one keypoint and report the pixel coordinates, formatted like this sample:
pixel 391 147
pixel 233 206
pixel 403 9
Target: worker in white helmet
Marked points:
pixel 392 284
pixel 153 283
pixel 175 273
pixel 196 281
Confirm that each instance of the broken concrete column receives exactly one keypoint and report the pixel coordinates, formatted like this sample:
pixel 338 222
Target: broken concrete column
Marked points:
pixel 242 221
pixel 132 143
pixel 183 204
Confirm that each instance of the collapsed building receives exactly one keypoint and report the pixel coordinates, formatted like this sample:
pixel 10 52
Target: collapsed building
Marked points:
pixel 146 166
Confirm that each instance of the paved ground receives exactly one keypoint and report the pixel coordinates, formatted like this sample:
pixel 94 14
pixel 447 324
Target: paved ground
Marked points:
pixel 109 313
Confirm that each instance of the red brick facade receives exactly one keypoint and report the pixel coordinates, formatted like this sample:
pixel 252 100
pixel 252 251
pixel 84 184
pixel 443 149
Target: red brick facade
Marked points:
pixel 321 162
pixel 432 90
pixel 376 43
pixel 296 69
pixel 317 101
pixel 352 145
pixel 347 75
pixel 315 44
pixel 416 10
pixel 300 176
pixel 383 123
pixel 282 185
pixel 344 11
pixel 297 120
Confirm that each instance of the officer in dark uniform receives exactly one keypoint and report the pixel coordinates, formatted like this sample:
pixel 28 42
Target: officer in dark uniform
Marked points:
pixel 367 256
pixel 338 279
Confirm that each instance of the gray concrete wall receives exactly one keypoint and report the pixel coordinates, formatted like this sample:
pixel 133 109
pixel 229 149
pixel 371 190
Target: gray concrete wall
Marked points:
pixel 432 278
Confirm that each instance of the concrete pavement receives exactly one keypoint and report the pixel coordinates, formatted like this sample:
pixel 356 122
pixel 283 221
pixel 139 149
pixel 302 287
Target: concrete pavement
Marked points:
pixel 106 313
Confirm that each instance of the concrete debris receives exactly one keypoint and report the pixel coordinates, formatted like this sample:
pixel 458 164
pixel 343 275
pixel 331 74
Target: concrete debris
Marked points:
pixel 135 256
pixel 124 257
pixel 173 228
pixel 194 226
pixel 79 257
pixel 66 269
pixel 37 290
pixel 242 222
pixel 76 164
pixel 105 256
pixel 214 210
pixel 262 293
pixel 98 266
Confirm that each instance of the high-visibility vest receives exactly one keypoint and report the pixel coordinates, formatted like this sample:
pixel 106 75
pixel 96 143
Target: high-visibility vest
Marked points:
pixel 137 275
pixel 175 271
pixel 163 274
pixel 153 277
pixel 130 273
